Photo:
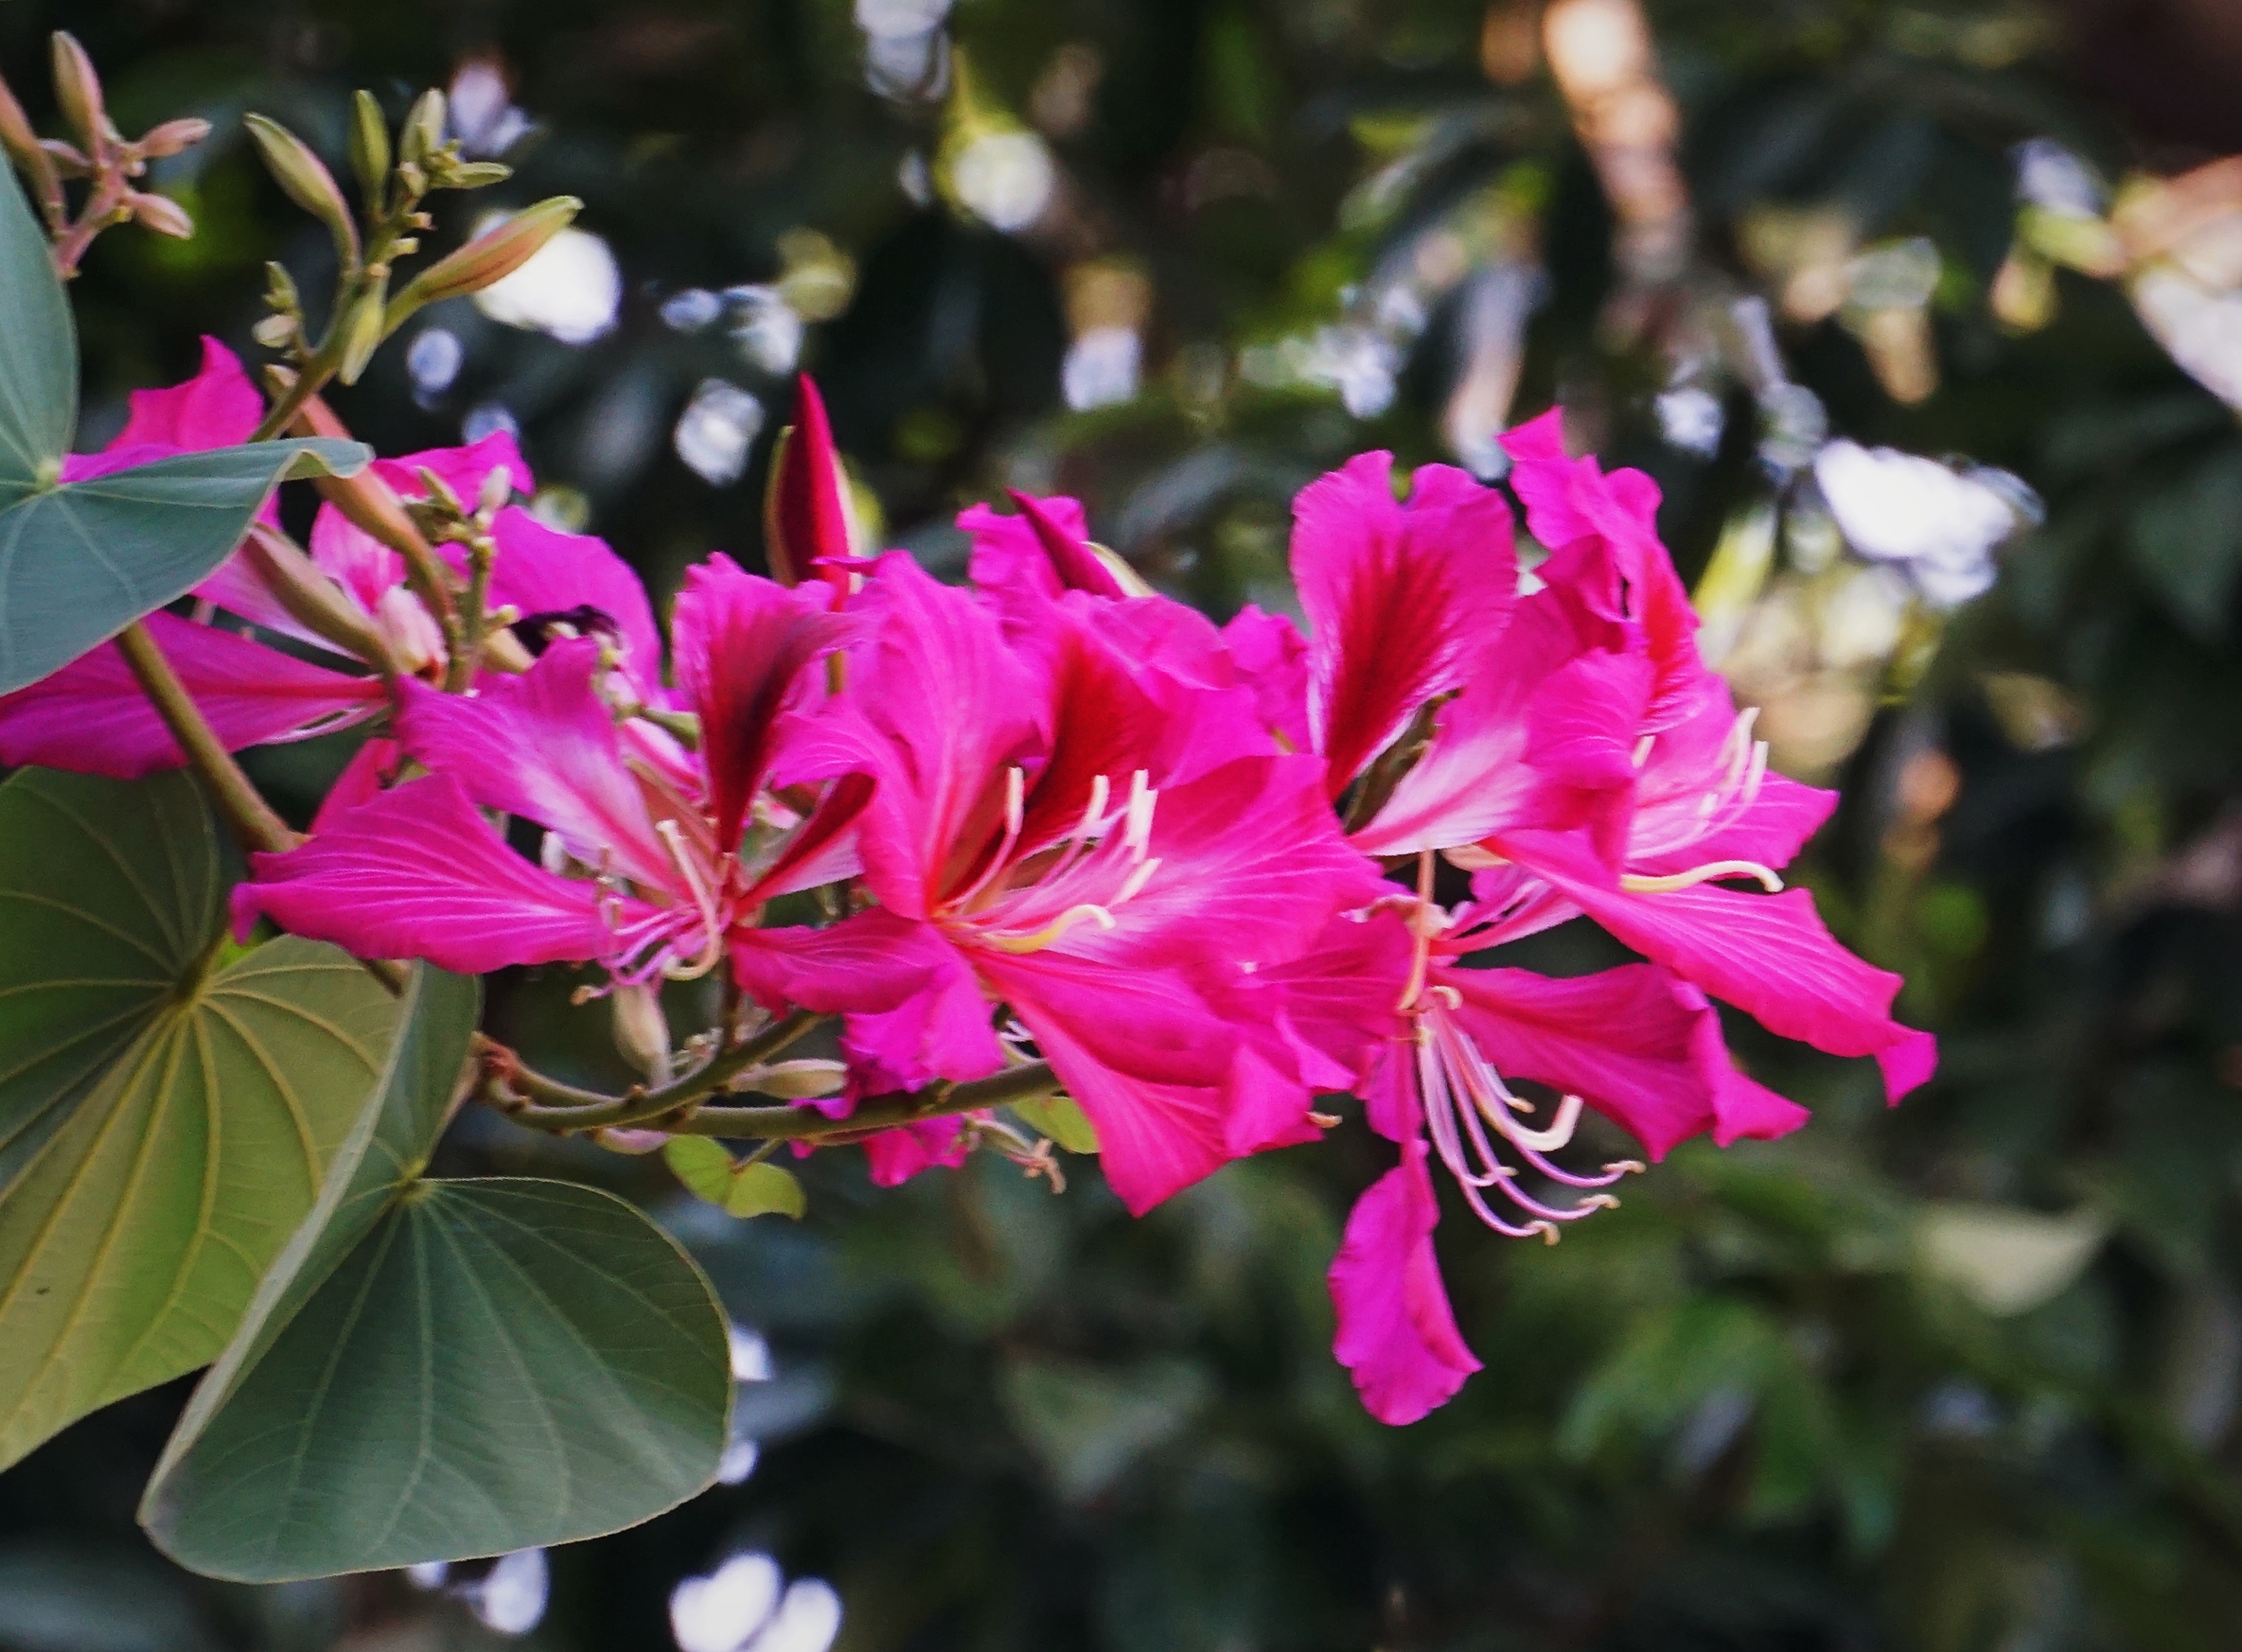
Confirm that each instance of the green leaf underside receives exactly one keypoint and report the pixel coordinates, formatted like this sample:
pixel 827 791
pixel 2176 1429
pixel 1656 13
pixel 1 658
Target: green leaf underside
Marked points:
pixel 1060 1117
pixel 163 1125
pixel 80 562
pixel 439 1370
pixel 497 1364
pixel 38 350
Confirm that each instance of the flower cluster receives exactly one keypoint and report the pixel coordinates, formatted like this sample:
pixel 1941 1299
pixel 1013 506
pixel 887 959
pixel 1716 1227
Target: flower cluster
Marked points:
pixel 1048 815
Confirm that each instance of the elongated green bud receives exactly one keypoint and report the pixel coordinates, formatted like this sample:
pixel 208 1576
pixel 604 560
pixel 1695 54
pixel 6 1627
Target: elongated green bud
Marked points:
pixel 307 182
pixel 491 257
pixel 424 129
pixel 369 147
pixel 24 148
pixel 362 331
pixel 77 92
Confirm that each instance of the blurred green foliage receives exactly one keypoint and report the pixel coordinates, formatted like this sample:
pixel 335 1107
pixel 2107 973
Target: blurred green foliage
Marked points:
pixel 1961 1376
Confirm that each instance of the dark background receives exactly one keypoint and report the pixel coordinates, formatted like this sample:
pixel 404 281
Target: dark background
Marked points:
pixel 1956 1377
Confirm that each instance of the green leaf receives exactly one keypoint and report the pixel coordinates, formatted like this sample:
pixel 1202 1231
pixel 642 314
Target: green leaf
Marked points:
pixel 166 1115
pixel 498 1365
pixel 708 1169
pixel 38 352
pixel 437 1370
pixel 1060 1117
pixel 80 562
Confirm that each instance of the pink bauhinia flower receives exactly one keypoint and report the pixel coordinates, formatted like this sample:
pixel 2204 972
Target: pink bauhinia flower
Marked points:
pixel 663 865
pixel 1032 843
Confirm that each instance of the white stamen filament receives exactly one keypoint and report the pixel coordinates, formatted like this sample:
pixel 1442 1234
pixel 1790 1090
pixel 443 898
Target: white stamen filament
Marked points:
pixel 1137 836
pixel 1101 790
pixel 1015 816
pixel 712 932
pixel 1637 884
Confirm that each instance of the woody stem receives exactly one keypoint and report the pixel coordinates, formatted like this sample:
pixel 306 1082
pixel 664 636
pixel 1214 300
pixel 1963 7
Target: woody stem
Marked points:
pixel 795 1123
pixel 530 1099
pixel 251 817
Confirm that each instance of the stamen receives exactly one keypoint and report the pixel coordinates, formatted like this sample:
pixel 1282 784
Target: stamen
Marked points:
pixel 1636 884
pixel 1137 836
pixel 1421 950
pixel 1015 791
pixel 1101 790
pixel 1542 1141
pixel 712 942
pixel 1053 931
pixel 1642 750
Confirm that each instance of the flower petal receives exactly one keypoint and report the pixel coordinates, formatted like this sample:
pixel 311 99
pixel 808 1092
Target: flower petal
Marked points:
pixel 417 873
pixel 93 717
pixel 1400 599
pixel 543 745
pixel 1397 1334
pixel 549 575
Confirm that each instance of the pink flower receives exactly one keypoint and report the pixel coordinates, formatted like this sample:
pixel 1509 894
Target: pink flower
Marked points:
pixel 662 872
pixel 1026 847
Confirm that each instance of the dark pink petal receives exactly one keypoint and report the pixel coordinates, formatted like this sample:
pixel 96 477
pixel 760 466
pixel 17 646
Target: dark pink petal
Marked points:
pixel 897 1155
pixel 1008 555
pixel 577 579
pixel 740 643
pixel 1272 659
pixel 1743 1108
pixel 1400 599
pixel 1143 1053
pixel 1568 500
pixel 1339 1000
pixel 365 776
pixel 936 705
pixel 914 1012
pixel 216 408
pixel 1907 1065
pixel 544 746
pixel 1689 809
pixel 1626 1040
pixel 1103 724
pixel 1252 866
pixel 823 849
pixel 417 873
pixel 1397 1334
pixel 1066 545
pixel 1475 779
pixel 1768 955
pixel 92 717
pixel 461 469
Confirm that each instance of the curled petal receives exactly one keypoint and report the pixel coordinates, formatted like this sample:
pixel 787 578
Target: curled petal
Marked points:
pixel 1397 1334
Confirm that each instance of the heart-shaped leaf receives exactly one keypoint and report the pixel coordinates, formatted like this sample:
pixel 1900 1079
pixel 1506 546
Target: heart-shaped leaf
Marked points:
pixel 740 1187
pixel 166 1115
pixel 438 1370
pixel 80 562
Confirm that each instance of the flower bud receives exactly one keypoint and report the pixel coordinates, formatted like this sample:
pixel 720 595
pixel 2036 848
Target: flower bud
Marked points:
pixel 369 145
pixel 805 516
pixel 161 214
pixel 362 331
pixel 642 1032
pixel 491 257
pixel 423 134
pixel 172 137
pixel 474 174
pixel 275 332
pixel 310 597
pixel 66 158
pixel 307 182
pixel 24 148
pixel 77 92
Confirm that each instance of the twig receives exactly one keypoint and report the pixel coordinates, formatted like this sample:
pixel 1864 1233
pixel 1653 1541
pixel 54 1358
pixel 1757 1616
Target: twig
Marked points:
pixel 251 818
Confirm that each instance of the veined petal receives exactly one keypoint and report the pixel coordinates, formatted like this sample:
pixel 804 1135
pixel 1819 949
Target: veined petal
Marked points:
pixel 740 643
pixel 1768 955
pixel 93 717
pixel 1400 599
pixel 1626 1040
pixel 543 745
pixel 216 408
pixel 575 579
pixel 1271 656
pixel 417 873
pixel 1397 1334
pixel 1143 1053
pixel 462 469
pixel 1010 553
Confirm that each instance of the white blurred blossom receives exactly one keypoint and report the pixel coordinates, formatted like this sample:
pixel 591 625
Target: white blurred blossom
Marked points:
pixel 1005 179
pixel 2200 326
pixel 488 419
pixel 722 1611
pixel 807 1620
pixel 767 328
pixel 690 310
pixel 571 288
pixel 1102 367
pixel 1691 418
pixel 480 112
pixel 434 360
pixel 1938 524
pixel 716 430
pixel 2054 180
pixel 511 1597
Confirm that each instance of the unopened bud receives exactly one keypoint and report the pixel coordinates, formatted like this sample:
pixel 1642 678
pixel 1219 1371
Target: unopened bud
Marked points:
pixel 797 1081
pixel 362 332
pixel 804 518
pixel 280 288
pixel 162 214
pixel 424 129
pixel 275 332
pixel 24 148
pixel 369 145
pixel 475 175
pixel 303 176
pixel 310 598
pixel 642 1032
pixel 173 138
pixel 498 492
pixel 77 91
pixel 491 257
